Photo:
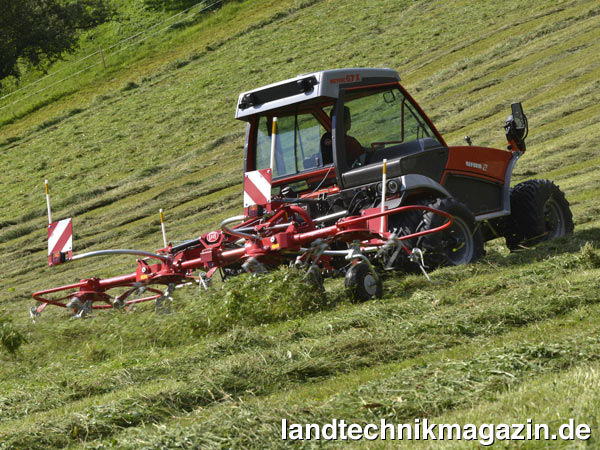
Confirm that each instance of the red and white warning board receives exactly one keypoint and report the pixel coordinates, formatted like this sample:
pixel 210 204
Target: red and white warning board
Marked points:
pixel 257 188
pixel 60 241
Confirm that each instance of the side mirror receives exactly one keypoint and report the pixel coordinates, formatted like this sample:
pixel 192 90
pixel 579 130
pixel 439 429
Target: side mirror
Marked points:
pixel 519 116
pixel 516 127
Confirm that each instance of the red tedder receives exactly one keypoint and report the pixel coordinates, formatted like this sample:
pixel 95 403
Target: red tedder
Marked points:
pixel 287 234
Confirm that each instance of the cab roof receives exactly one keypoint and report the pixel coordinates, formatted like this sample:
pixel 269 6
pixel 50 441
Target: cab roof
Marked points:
pixel 325 83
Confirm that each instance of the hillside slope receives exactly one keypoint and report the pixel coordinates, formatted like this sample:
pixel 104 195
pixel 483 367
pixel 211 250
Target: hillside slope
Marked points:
pixel 512 337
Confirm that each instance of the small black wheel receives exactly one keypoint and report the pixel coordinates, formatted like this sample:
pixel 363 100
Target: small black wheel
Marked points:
pixel 362 283
pixel 461 243
pixel 539 212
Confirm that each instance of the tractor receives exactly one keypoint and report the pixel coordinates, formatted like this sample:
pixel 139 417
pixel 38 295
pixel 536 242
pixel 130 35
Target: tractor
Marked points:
pixel 335 129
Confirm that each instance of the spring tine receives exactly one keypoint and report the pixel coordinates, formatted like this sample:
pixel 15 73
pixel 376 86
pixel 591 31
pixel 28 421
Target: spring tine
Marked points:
pixel 417 257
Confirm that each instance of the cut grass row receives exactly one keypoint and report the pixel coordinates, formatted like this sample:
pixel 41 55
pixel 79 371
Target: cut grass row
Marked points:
pixel 423 386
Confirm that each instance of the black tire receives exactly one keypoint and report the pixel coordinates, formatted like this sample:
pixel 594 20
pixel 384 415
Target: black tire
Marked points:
pixel 361 284
pixel 461 243
pixel 539 212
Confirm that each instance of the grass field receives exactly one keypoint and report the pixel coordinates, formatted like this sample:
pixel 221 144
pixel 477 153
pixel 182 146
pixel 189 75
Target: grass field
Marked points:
pixel 510 338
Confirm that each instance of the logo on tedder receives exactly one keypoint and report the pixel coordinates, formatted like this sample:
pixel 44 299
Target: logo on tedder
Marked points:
pixel 212 237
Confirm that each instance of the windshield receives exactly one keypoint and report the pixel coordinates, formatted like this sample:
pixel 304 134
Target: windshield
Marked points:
pixel 297 144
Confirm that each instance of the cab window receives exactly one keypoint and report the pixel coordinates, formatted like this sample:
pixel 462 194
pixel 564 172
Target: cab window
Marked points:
pixel 384 122
pixel 297 144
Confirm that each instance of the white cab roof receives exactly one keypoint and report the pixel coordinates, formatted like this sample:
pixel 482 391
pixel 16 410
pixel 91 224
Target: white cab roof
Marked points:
pixel 325 83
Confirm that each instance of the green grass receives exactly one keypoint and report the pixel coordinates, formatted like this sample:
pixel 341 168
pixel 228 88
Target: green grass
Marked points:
pixel 512 337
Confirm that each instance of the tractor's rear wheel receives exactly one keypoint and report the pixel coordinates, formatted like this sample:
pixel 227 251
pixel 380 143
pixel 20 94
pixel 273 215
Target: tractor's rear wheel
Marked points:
pixel 539 212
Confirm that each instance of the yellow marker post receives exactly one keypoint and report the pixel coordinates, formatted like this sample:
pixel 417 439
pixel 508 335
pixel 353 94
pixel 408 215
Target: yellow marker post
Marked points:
pixel 273 144
pixel 48 202
pixel 162 226
pixel 383 194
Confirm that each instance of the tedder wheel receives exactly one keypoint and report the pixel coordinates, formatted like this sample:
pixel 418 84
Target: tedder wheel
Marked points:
pixel 461 243
pixel 362 284
pixel 539 212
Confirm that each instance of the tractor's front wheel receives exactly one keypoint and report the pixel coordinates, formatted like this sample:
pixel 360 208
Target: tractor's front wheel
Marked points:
pixel 539 212
pixel 461 243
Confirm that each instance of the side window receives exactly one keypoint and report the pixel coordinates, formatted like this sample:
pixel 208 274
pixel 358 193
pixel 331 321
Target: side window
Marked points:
pixel 297 144
pixel 376 118
pixel 378 122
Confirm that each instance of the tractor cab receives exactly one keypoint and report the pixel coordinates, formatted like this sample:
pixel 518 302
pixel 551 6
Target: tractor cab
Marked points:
pixel 334 129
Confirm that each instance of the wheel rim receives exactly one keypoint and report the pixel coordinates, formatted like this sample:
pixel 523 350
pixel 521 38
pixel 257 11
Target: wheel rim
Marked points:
pixel 458 242
pixel 554 220
pixel 370 284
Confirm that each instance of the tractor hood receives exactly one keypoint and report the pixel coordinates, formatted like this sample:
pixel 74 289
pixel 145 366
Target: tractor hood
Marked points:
pixel 326 83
